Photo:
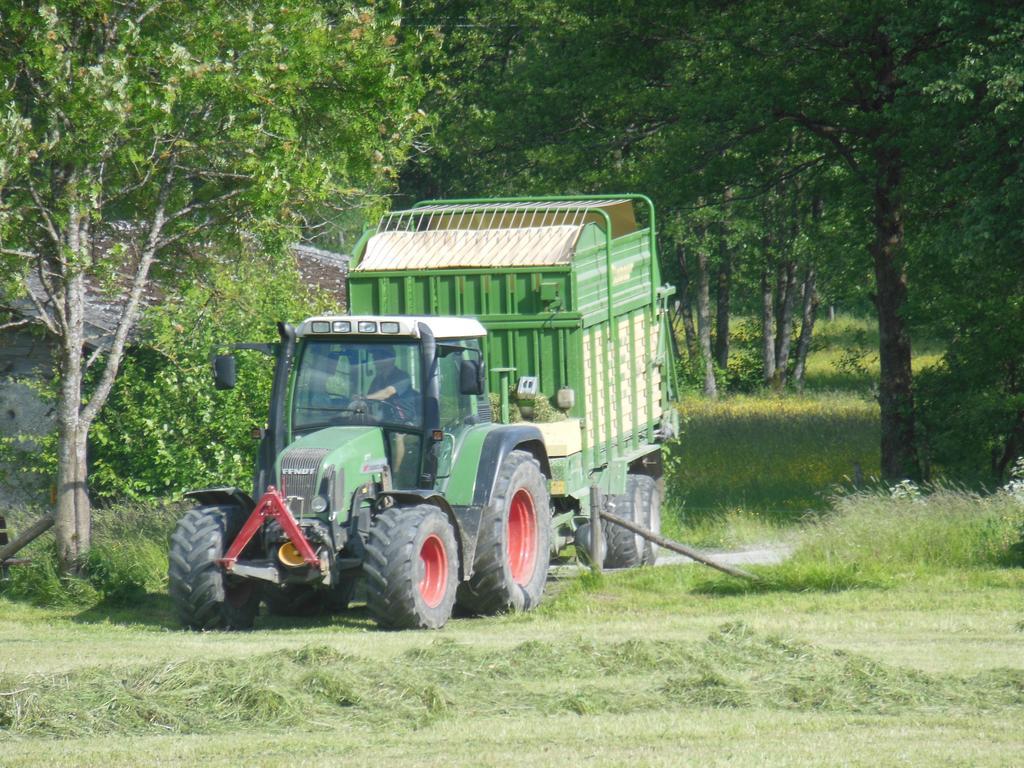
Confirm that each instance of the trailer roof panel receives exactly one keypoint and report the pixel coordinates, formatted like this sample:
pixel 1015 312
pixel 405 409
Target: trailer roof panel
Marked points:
pixel 489 234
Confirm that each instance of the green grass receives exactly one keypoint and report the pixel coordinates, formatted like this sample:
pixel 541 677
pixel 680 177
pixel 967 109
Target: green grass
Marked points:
pixel 844 356
pixel 817 657
pixel 627 668
pixel 881 538
pixel 748 467
pixel 128 558
pixel 735 666
pixel 778 456
pixel 763 678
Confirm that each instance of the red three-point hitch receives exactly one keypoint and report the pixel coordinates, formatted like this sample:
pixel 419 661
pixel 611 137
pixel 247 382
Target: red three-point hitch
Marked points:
pixel 271 504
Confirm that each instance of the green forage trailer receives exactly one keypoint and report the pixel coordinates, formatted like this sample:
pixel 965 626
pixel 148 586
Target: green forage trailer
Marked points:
pixel 502 358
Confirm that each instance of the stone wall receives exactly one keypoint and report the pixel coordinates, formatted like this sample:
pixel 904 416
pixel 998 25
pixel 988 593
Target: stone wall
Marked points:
pixel 24 359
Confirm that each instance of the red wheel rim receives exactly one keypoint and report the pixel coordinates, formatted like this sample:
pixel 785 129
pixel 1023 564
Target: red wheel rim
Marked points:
pixel 522 538
pixel 434 583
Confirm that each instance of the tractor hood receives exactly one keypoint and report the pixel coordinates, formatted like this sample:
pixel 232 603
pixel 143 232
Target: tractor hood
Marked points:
pixel 332 463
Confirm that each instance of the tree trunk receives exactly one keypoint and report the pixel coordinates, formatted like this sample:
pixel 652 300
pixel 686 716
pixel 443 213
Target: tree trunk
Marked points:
pixel 895 395
pixel 767 327
pixel 687 304
pixel 73 525
pixel 722 310
pixel 784 340
pixel 1011 448
pixel 810 311
pixel 704 323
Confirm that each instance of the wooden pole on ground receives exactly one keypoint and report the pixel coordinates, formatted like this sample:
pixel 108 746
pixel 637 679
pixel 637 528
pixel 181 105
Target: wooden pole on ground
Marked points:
pixel 34 531
pixel 675 546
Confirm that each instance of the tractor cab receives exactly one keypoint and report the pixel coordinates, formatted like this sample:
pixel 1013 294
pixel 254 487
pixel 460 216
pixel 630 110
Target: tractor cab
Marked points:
pixel 418 380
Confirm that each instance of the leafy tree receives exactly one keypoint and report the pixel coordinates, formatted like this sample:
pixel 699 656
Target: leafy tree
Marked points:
pixel 165 429
pixel 146 138
pixel 893 113
pixel 969 265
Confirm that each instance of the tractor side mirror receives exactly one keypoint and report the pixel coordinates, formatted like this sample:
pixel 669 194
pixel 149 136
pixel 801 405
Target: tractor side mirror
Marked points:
pixel 224 371
pixel 471 377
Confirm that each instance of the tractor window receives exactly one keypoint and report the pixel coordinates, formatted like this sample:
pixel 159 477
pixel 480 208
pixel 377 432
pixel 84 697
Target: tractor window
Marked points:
pixel 356 382
pixel 456 409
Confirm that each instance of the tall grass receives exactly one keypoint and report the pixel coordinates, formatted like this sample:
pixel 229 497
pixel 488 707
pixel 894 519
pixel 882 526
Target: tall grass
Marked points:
pixel 945 529
pixel 777 456
pixel 750 465
pixel 879 538
pixel 128 558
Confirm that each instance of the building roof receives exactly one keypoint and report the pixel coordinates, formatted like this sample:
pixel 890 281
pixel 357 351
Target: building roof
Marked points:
pixel 318 270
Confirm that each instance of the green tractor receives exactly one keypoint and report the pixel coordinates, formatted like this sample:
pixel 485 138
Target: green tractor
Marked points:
pixel 382 459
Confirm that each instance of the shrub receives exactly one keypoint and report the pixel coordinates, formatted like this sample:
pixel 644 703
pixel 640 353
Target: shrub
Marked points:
pixel 165 428
pixel 127 560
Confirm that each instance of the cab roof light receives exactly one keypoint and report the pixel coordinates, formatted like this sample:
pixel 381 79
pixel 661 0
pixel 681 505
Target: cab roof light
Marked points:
pixel 321 326
pixel 389 327
pixel 341 326
pixel 367 326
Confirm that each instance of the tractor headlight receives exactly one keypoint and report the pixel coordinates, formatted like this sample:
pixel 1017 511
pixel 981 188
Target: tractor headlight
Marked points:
pixel 319 505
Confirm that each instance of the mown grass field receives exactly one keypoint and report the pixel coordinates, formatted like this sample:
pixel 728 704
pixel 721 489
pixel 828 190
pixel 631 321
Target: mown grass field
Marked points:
pixel 647 668
pixel 894 635
pixel 875 644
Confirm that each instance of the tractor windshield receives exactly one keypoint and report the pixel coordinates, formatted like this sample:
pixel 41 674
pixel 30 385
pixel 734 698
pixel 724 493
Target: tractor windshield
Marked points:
pixel 357 382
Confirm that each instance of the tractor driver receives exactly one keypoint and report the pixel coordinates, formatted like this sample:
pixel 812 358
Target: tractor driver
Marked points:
pixel 392 385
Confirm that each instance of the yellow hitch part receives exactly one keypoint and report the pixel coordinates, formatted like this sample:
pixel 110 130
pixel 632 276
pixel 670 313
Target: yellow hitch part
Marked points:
pixel 290 556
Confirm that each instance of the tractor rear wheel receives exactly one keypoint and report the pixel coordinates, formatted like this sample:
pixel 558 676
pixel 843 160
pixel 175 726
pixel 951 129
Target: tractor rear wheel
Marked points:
pixel 641 504
pixel 412 568
pixel 204 596
pixel 513 551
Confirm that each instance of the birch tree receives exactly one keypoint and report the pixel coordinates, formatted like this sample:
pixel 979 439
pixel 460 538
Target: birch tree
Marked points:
pixel 145 138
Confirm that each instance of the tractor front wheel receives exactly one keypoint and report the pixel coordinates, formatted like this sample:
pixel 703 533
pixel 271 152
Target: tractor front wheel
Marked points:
pixel 204 596
pixel 412 568
pixel 513 551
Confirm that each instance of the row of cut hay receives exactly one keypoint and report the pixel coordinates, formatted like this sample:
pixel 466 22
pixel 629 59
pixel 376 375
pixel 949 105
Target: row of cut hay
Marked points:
pixel 733 667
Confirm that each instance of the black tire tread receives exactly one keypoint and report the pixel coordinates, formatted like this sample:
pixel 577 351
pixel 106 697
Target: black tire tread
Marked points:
pixel 196 581
pixel 621 547
pixel 390 568
pixel 491 590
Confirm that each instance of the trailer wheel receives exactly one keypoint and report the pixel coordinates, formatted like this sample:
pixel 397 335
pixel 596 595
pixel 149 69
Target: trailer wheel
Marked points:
pixel 641 503
pixel 650 494
pixel 513 551
pixel 411 567
pixel 204 596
